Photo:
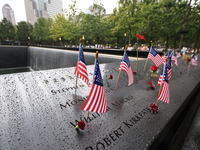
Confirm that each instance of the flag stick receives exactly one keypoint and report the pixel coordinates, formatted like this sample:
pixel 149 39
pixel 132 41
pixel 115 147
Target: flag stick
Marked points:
pixel 78 68
pixel 76 79
pixel 137 61
pixel 117 79
pixel 189 64
pixel 137 56
pixel 88 114
pixel 119 72
pixel 96 56
pixel 159 93
pixel 145 64
pixel 147 58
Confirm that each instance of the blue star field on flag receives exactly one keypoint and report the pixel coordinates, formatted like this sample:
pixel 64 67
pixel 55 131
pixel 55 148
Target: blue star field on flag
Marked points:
pixel 81 55
pixel 97 75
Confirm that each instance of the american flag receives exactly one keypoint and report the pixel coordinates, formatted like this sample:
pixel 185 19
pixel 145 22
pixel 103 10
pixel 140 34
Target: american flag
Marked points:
pixel 178 54
pixel 96 101
pixel 174 58
pixel 126 66
pixel 81 69
pixel 194 60
pixel 155 57
pixel 169 68
pixel 160 80
pixel 164 94
pixel 166 56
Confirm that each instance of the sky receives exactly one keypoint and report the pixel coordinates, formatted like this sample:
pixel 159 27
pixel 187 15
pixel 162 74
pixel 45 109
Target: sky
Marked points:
pixel 19 8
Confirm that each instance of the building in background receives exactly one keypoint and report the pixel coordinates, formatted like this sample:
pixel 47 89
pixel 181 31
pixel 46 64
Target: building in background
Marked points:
pixel 42 8
pixel 8 13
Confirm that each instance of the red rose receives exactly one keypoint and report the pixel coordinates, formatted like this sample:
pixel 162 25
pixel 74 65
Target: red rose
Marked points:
pixel 153 108
pixel 140 37
pixel 134 72
pixel 81 125
pixel 153 68
pixel 111 76
pixel 152 85
pixel 189 59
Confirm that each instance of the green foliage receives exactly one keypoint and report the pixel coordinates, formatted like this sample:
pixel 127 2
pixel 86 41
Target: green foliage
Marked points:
pixel 7 30
pixel 41 31
pixel 24 30
pixel 62 28
pixel 167 22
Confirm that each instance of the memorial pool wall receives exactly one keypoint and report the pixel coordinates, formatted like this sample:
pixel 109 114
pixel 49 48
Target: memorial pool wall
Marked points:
pixel 41 58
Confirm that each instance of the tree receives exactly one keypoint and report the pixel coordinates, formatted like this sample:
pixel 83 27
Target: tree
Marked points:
pixel 24 30
pixel 7 30
pixel 169 22
pixel 61 28
pixel 185 8
pixel 74 18
pixel 94 26
pixel 126 18
pixel 192 38
pixel 41 31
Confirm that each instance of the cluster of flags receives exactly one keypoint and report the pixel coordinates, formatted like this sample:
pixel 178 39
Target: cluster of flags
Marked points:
pixel 97 101
pixel 167 61
pixel 163 82
pixel 166 74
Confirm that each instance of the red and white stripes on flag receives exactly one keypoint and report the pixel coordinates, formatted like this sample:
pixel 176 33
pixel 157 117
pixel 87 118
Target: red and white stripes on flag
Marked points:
pixel 194 59
pixel 164 94
pixel 81 69
pixel 169 68
pixel 174 58
pixel 81 72
pixel 194 62
pixel 167 55
pixel 126 66
pixel 155 57
pixel 96 101
pixel 166 68
pixel 169 71
pixel 160 80
pixel 178 54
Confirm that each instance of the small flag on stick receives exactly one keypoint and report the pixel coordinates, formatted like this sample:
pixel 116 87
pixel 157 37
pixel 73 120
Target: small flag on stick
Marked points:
pixel 126 66
pixel 194 59
pixel 174 58
pixel 167 55
pixel 155 57
pixel 96 101
pixel 169 68
pixel 81 69
pixel 164 94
